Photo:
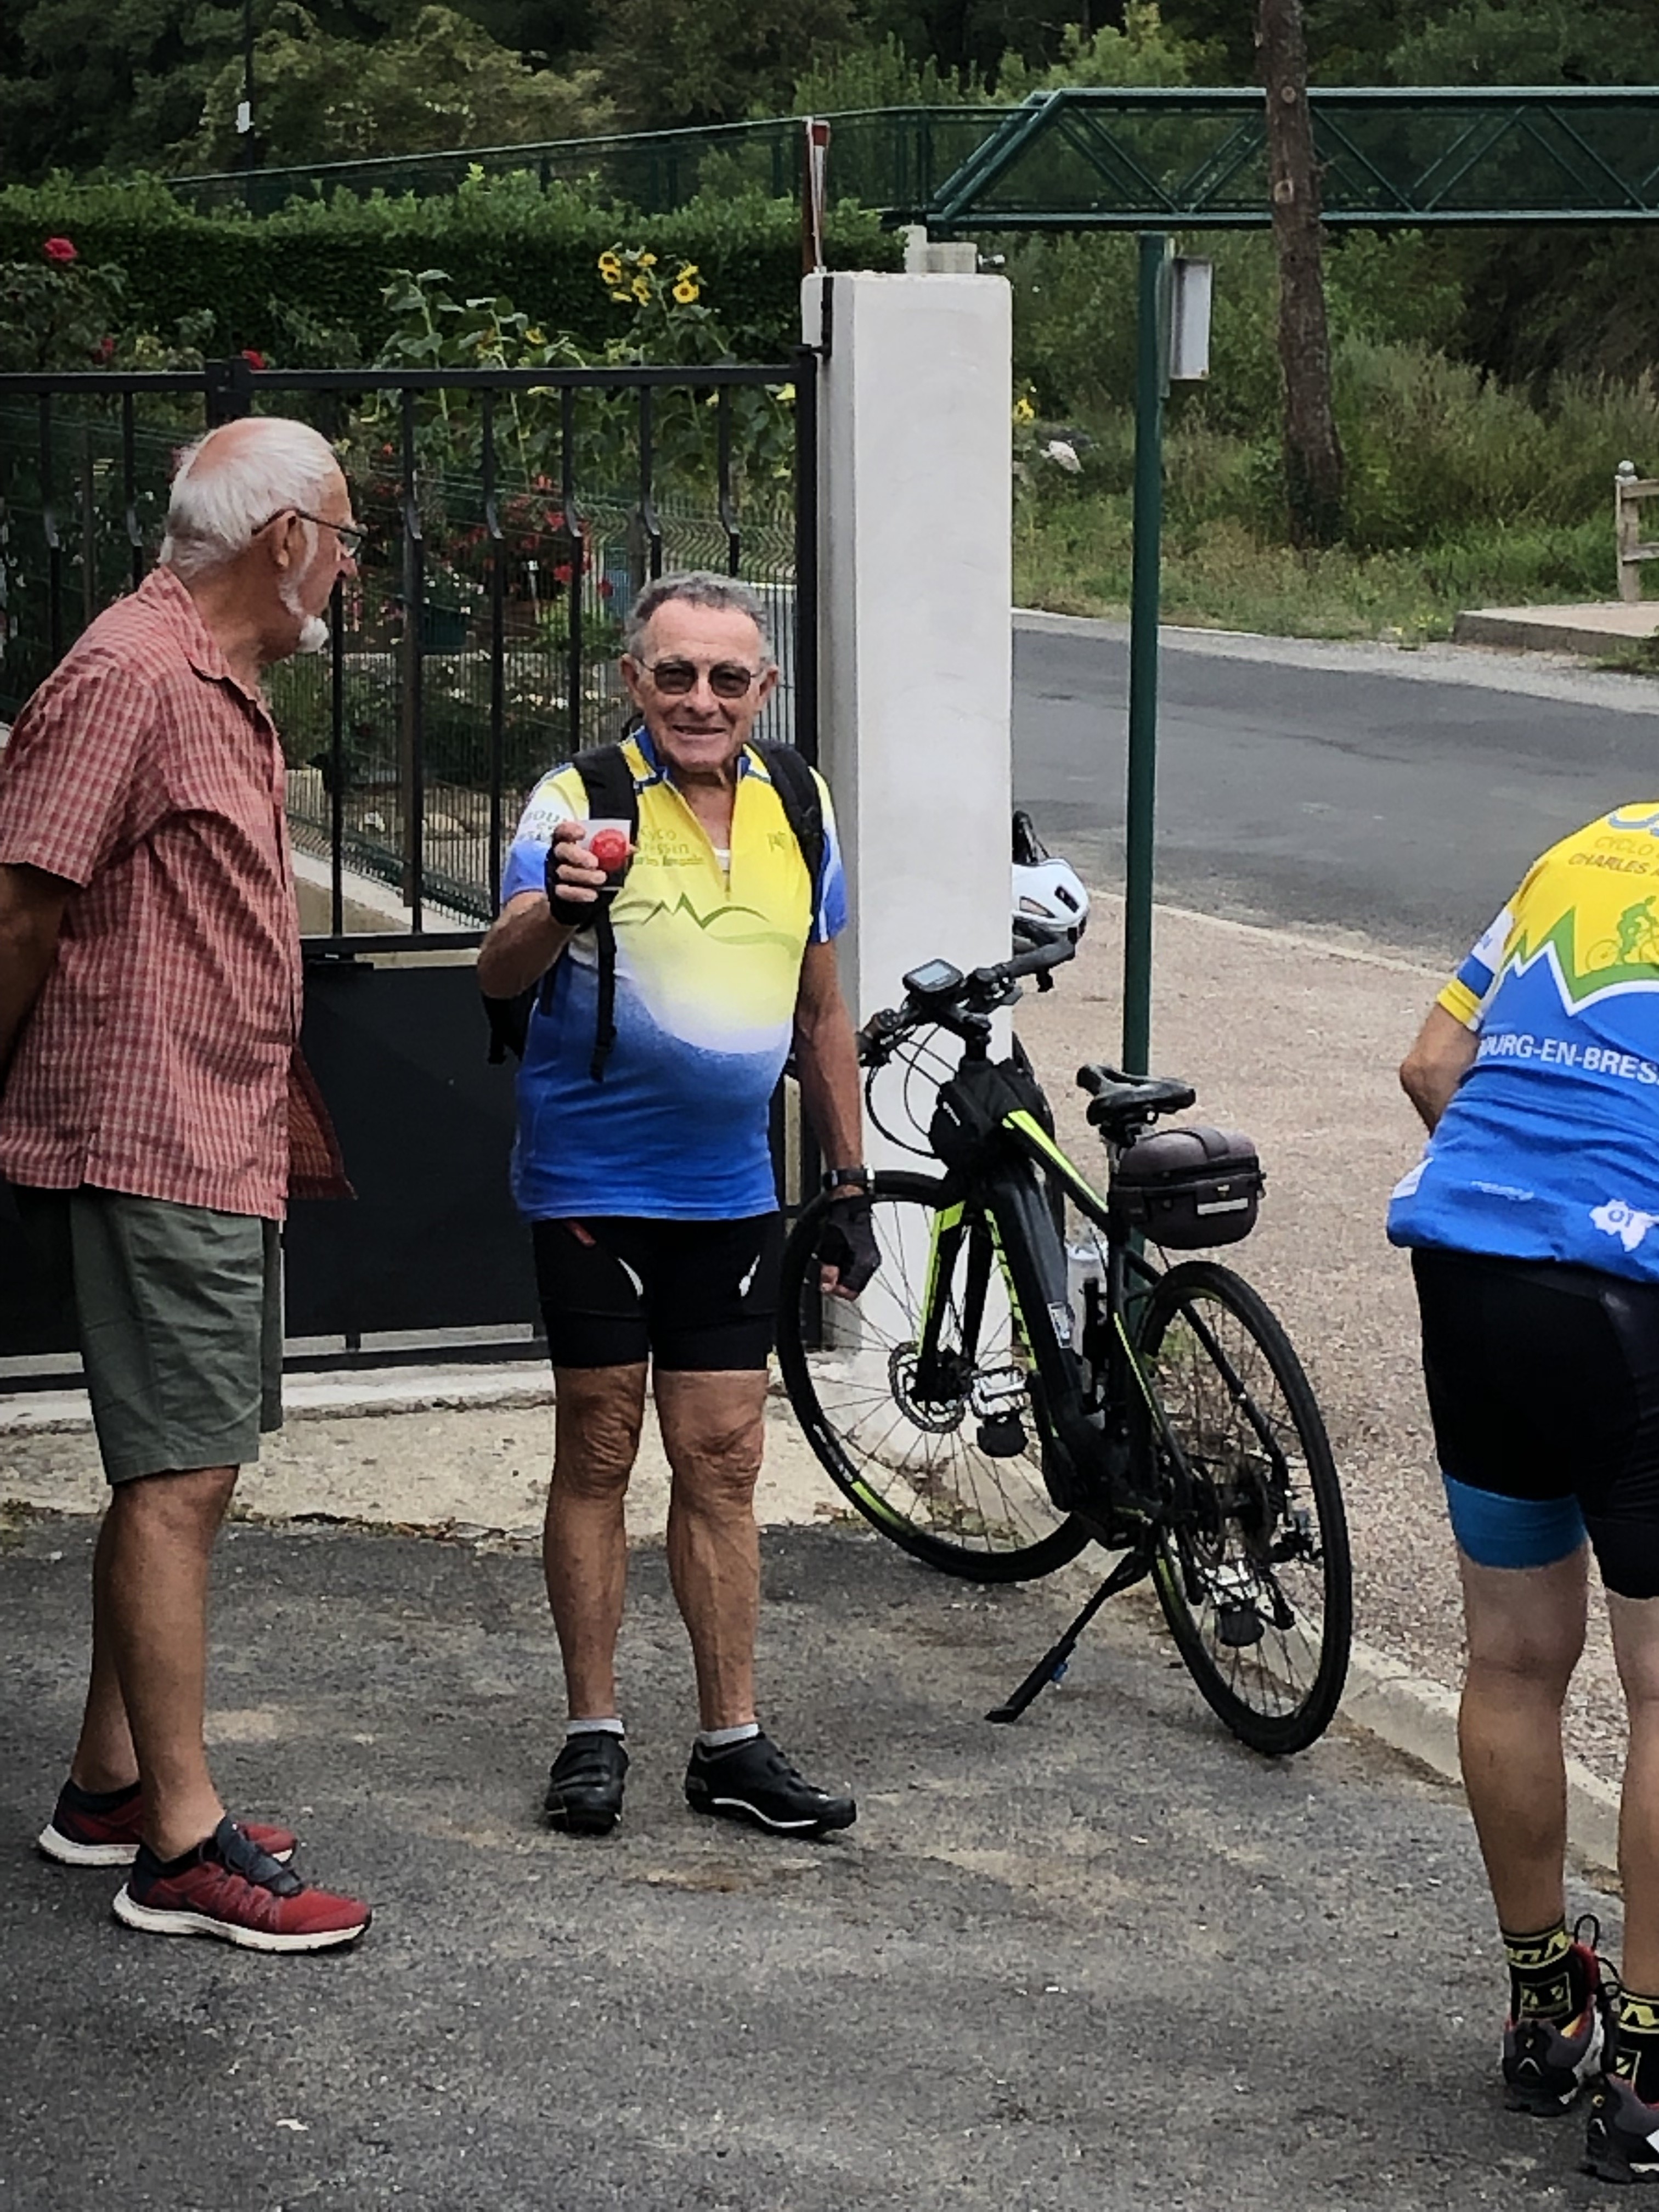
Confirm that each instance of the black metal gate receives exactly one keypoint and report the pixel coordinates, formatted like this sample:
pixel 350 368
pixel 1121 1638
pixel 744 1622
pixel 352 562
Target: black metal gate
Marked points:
pixel 512 513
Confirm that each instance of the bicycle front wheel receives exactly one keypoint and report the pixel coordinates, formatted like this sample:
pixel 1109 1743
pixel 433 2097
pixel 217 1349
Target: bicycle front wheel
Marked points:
pixel 907 1445
pixel 1252 1568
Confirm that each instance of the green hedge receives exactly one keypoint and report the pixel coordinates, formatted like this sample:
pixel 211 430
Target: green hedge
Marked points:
pixel 305 282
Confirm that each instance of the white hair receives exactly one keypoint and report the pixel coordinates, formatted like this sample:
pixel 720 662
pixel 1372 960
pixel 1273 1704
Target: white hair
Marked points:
pixel 697 587
pixel 236 478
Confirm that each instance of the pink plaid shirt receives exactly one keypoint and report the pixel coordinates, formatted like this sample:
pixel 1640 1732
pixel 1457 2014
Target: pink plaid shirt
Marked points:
pixel 156 1058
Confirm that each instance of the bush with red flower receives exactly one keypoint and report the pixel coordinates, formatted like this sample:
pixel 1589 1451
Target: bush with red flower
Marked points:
pixel 55 312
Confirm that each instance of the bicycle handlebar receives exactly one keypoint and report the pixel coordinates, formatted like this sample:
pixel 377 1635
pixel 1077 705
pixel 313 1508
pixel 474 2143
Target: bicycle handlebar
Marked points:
pixel 938 993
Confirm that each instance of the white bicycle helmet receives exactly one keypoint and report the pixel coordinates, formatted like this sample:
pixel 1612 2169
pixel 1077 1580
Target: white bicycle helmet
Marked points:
pixel 1050 901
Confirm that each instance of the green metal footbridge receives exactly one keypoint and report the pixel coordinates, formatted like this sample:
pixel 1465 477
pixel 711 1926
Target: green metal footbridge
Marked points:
pixel 1083 158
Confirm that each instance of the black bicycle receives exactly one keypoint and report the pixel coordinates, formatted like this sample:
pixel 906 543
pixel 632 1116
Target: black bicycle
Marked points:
pixel 998 1398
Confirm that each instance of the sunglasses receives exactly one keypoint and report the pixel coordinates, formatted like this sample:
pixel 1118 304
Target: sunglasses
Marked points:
pixel 727 679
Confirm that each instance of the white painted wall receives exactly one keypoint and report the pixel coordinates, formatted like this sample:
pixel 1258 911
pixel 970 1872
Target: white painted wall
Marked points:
pixel 915 588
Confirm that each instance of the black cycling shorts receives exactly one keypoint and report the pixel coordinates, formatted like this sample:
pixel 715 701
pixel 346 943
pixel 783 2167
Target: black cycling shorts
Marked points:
pixel 699 1296
pixel 1543 1386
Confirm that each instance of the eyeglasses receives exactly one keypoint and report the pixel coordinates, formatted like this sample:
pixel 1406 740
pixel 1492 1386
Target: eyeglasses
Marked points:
pixel 727 679
pixel 352 536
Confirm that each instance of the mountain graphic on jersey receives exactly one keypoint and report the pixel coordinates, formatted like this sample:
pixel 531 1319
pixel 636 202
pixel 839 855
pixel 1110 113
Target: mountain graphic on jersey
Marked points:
pixel 716 923
pixel 1588 957
pixel 1549 1147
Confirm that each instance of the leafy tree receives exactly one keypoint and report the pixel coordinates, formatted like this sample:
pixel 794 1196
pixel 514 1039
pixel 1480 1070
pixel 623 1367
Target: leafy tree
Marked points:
pixel 445 83
pixel 89 84
pixel 969 38
pixel 879 76
pixel 1529 42
pixel 1142 51
pixel 671 62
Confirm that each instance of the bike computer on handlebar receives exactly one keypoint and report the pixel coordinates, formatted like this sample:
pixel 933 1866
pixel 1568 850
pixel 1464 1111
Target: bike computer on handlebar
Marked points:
pixel 936 979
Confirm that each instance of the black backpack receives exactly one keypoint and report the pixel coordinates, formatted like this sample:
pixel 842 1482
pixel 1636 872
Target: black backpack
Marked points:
pixel 608 781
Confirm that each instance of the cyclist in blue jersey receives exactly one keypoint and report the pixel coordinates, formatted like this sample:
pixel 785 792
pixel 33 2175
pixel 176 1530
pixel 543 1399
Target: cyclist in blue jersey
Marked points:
pixel 1533 1220
pixel 646 1174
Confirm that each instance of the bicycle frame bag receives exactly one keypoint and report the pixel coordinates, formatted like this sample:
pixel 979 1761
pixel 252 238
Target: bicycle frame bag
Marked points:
pixel 1188 1188
pixel 972 1106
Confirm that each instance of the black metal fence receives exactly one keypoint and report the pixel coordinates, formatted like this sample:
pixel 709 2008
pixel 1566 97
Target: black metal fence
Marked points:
pixel 512 514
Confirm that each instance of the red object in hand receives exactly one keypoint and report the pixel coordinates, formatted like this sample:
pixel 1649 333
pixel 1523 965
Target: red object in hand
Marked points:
pixel 610 848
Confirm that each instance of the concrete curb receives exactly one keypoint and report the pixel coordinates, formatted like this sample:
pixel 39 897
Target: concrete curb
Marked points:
pixel 1410 1714
pixel 1595 630
pixel 322 1397
pixel 1417 1718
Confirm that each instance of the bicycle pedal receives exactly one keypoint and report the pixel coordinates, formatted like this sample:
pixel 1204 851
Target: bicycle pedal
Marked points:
pixel 1003 1437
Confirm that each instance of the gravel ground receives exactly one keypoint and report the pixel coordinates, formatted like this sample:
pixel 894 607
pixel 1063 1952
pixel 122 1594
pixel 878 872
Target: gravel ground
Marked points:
pixel 1293 1041
pixel 1298 1042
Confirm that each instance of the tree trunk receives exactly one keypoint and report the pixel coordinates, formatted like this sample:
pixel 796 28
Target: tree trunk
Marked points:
pixel 1313 453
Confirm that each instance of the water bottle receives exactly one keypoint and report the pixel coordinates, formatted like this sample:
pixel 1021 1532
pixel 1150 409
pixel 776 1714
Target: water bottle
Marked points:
pixel 1084 1265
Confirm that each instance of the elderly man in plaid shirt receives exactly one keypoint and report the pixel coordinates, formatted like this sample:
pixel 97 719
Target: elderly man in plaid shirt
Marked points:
pixel 149 1006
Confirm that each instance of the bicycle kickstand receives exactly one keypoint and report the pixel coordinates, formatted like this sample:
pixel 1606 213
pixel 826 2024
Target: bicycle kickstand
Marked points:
pixel 1052 1666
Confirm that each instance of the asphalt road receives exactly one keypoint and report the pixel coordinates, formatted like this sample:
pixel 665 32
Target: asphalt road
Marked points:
pixel 1397 796
pixel 1102 1960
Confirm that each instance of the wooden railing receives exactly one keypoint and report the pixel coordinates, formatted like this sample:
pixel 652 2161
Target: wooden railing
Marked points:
pixel 1629 490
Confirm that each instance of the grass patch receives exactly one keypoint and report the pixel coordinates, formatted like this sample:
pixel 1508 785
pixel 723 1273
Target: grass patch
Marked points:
pixel 1073 557
pixel 1460 493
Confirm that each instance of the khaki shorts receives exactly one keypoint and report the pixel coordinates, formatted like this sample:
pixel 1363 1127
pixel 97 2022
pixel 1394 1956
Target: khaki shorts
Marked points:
pixel 179 1310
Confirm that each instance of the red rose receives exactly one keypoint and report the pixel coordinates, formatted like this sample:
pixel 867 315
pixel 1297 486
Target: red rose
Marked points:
pixel 253 359
pixel 60 249
pixel 562 573
pixel 104 350
pixel 606 588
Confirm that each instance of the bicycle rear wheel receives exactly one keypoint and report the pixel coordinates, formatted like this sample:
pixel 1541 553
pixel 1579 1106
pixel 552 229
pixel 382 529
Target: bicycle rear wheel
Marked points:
pixel 1252 1568
pixel 909 1456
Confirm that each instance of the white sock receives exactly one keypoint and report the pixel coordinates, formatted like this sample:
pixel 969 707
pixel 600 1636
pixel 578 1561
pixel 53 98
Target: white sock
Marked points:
pixel 611 1727
pixel 717 1739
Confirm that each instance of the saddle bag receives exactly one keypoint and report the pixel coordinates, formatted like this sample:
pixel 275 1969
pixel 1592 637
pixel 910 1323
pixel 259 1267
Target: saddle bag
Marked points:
pixel 1188 1188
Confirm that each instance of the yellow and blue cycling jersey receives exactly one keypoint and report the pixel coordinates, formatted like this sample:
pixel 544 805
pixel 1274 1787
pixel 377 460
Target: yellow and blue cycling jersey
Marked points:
pixel 1549 1149
pixel 709 959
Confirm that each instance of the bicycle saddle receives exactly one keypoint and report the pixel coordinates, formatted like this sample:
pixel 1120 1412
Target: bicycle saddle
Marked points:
pixel 1124 1103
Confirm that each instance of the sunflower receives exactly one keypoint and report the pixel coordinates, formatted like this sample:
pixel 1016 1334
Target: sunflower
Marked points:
pixel 1024 411
pixel 685 293
pixel 641 288
pixel 610 268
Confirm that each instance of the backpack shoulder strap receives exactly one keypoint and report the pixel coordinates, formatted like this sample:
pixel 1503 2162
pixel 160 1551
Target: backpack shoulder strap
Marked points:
pixel 607 777
pixel 798 794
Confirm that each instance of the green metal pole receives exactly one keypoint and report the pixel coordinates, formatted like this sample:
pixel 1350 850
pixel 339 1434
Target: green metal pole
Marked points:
pixel 1150 370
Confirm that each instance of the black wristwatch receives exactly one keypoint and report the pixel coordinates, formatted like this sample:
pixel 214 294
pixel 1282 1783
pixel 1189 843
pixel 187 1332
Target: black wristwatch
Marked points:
pixel 847 1179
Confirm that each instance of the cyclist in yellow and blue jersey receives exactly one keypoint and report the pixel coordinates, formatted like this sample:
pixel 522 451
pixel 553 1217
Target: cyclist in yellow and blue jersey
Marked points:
pixel 647 1178
pixel 1533 1219
pixel 710 943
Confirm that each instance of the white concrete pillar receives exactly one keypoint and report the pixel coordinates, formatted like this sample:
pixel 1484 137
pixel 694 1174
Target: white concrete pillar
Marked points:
pixel 915 587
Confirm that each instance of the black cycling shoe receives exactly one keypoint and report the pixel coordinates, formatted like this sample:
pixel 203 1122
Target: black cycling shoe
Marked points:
pixel 753 1780
pixel 1621 2135
pixel 584 1788
pixel 1547 2063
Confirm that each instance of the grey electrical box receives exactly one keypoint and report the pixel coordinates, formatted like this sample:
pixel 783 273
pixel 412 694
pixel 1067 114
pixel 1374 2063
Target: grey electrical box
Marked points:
pixel 1192 287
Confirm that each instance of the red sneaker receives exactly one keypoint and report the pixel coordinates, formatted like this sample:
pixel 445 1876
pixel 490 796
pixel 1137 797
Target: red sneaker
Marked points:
pixel 228 1887
pixel 88 1831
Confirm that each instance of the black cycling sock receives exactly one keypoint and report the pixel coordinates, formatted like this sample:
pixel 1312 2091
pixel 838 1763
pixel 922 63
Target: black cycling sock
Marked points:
pixel 1541 1974
pixel 1636 2045
pixel 98 1801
